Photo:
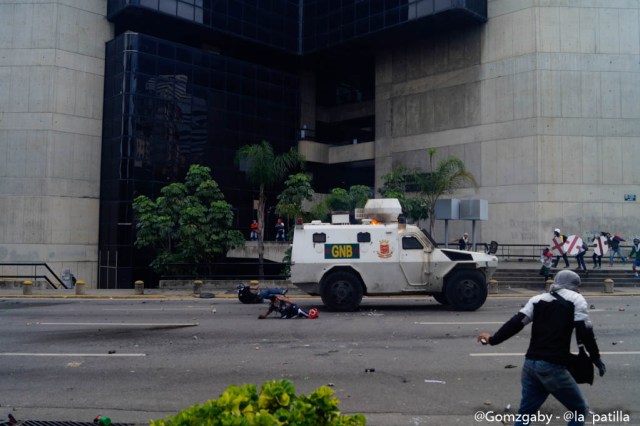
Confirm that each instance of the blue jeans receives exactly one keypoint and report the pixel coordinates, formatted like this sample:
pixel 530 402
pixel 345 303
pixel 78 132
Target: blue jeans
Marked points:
pixel 580 259
pixel 541 378
pixel 267 292
pixel 612 254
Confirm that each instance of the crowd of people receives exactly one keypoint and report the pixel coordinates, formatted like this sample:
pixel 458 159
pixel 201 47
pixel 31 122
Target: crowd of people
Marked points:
pixel 602 244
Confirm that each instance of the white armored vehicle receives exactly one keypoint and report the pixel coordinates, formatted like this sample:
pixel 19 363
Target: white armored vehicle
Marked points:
pixel 383 256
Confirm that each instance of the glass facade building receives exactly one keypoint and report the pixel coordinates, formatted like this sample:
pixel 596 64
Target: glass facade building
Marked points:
pixel 168 106
pixel 191 81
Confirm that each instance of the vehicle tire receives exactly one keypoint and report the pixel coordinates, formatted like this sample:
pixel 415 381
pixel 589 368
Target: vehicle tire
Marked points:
pixel 466 290
pixel 441 298
pixel 341 291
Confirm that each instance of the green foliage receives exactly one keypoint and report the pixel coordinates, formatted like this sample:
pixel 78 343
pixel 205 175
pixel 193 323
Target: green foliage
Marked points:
pixel 359 195
pixel 417 208
pixel 276 405
pixel 319 211
pixel 297 189
pixel 264 168
pixel 395 183
pixel 447 176
pixel 188 223
pixel 338 200
pixel 395 186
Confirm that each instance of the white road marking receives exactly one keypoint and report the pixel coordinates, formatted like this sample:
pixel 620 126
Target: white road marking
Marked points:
pixel 72 354
pixel 460 323
pixel 522 354
pixel 123 324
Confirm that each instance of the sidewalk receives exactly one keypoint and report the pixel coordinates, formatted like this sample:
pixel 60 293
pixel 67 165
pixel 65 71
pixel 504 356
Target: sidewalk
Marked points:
pixel 293 293
pixel 229 290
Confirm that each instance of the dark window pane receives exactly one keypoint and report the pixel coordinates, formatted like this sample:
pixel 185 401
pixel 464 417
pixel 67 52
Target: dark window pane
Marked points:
pixel 411 243
pixel 319 237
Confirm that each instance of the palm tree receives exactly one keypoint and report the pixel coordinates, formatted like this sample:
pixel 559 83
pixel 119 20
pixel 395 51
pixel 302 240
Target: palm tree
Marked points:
pixel 449 175
pixel 264 168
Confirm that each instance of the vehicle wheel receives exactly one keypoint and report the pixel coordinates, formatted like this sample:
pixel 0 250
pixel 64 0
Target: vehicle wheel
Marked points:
pixel 341 291
pixel 466 290
pixel 441 298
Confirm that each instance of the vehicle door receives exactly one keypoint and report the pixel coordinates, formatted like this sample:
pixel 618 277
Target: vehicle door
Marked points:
pixel 413 260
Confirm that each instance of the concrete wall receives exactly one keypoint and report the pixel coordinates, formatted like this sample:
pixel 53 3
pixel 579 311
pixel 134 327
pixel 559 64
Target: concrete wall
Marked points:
pixel 272 251
pixel 51 81
pixel 542 105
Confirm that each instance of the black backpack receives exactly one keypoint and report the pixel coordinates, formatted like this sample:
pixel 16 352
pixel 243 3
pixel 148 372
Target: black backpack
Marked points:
pixel 245 295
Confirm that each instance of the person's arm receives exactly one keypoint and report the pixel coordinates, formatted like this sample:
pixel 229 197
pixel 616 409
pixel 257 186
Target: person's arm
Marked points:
pixel 511 327
pixel 508 329
pixel 585 335
pixel 272 307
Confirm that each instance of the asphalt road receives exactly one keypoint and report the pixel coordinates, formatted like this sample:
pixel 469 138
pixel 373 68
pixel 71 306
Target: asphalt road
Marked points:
pixel 400 361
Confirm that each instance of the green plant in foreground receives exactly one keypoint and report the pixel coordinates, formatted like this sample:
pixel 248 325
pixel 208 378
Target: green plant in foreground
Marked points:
pixel 276 405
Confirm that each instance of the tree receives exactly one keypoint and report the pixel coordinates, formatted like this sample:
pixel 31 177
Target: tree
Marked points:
pixel 188 223
pixel 445 178
pixel 297 189
pixel 359 195
pixel 264 168
pixel 395 186
pixel 338 200
pixel 448 175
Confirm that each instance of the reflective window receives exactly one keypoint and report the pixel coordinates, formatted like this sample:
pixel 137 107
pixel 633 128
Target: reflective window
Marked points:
pixel 411 243
pixel 162 113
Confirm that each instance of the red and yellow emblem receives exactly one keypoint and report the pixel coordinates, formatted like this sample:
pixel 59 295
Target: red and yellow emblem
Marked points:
pixel 385 249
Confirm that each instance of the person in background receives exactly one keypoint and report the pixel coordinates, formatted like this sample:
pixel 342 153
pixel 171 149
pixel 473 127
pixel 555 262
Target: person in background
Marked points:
pixel 559 240
pixel 635 251
pixel 287 309
pixel 597 259
pixel 463 242
pixel 554 316
pixel 254 230
pixel 546 258
pixel 279 230
pixel 252 293
pixel 614 247
pixel 580 258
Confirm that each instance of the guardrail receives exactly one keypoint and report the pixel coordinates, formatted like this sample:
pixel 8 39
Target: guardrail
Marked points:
pixel 226 271
pixel 50 278
pixel 531 252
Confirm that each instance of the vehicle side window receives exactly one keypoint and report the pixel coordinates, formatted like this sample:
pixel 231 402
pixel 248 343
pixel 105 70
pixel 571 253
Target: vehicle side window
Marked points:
pixel 411 243
pixel 364 237
pixel 319 237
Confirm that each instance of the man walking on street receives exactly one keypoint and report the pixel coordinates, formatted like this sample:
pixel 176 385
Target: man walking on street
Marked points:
pixel 553 315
